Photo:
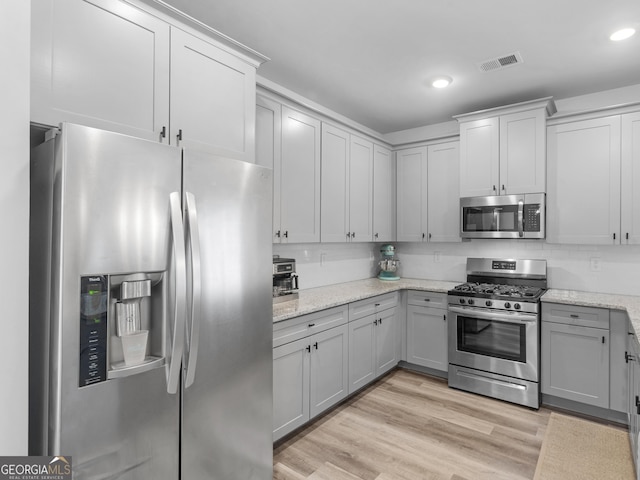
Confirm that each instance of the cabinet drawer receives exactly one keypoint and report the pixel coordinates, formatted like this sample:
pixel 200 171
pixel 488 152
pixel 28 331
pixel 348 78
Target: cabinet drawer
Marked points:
pixel 427 299
pixel 575 315
pixel 305 325
pixel 372 305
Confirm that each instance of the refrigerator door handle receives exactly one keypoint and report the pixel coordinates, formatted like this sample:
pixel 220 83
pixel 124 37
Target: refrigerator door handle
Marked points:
pixel 179 315
pixel 193 322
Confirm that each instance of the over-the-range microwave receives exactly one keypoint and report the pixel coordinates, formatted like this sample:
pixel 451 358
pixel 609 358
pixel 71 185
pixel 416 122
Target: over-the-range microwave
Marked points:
pixel 503 216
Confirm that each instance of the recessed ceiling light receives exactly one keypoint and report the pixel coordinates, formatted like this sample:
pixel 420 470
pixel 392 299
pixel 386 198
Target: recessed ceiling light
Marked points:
pixel 622 34
pixel 441 82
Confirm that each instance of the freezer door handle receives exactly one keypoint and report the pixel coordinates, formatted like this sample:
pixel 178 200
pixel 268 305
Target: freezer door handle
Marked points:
pixel 193 320
pixel 180 303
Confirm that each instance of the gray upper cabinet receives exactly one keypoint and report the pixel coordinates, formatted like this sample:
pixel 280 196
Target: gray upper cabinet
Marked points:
pixel 102 63
pixel 111 65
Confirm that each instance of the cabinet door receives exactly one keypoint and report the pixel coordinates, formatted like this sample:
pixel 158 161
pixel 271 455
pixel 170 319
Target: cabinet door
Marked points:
pixel 443 193
pixel 583 184
pixel 387 353
pixel 630 216
pixel 479 157
pixel 329 372
pixel 212 98
pixel 300 178
pixel 290 387
pixel 427 337
pixel 361 190
pixel 362 365
pixel 523 146
pixel 411 183
pixel 575 363
pixel 101 63
pixel 334 214
pixel 384 195
pixel 269 149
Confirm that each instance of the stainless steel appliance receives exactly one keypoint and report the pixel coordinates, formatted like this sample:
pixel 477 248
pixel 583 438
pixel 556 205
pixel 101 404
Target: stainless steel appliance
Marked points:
pixel 131 236
pixel 494 329
pixel 285 279
pixel 504 216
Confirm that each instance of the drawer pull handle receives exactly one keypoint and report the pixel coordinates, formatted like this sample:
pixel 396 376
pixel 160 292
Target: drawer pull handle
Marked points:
pixel 308 348
pixel 312 325
pixel 377 304
pixel 427 299
pixel 573 315
pixel 316 345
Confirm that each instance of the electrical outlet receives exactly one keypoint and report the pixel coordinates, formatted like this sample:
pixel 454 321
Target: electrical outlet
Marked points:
pixel 594 264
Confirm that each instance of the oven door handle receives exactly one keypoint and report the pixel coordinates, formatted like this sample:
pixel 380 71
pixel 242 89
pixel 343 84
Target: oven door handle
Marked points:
pixel 482 314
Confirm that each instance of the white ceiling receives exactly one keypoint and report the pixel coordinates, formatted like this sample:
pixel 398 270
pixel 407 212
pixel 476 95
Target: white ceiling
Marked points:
pixel 370 60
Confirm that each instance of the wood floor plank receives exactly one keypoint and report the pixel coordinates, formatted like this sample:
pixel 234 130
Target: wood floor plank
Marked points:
pixel 410 426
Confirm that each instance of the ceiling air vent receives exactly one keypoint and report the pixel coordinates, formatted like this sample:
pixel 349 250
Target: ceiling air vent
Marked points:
pixel 501 62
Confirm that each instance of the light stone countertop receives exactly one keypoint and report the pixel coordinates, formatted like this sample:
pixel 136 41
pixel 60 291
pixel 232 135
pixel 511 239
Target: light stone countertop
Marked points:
pixel 320 298
pixel 627 303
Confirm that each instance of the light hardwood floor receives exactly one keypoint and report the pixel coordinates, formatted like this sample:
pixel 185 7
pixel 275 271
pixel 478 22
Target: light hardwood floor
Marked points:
pixel 408 426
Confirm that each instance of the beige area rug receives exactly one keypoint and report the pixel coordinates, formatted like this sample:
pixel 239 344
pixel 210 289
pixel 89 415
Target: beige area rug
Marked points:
pixel 579 449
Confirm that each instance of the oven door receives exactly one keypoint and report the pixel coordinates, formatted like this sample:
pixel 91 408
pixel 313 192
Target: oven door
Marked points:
pixel 501 342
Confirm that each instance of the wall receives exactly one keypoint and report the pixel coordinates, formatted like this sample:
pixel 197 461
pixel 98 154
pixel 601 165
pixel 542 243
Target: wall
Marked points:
pixel 14 217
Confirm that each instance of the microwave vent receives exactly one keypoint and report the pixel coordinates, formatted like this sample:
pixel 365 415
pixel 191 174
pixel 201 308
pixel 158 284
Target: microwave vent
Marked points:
pixel 504 61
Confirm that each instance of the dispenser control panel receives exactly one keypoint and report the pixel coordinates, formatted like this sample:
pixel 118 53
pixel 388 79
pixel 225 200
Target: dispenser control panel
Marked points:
pixel 94 296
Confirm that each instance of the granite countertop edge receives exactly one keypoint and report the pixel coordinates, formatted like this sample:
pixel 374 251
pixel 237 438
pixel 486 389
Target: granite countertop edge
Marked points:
pixel 321 298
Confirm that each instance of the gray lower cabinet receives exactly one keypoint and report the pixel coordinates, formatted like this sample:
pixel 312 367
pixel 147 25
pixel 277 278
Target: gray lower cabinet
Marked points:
pixel 575 353
pixel 373 339
pixel 372 347
pixel 633 357
pixel 427 330
pixel 310 367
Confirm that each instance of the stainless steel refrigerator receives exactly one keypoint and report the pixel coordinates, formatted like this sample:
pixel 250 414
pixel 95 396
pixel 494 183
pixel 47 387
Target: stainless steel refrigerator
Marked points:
pixel 150 310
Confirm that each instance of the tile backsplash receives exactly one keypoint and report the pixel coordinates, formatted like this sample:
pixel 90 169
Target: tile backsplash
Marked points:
pixel 591 268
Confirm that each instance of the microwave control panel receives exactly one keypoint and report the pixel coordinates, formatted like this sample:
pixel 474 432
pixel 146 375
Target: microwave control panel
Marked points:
pixel 532 217
pixel 94 293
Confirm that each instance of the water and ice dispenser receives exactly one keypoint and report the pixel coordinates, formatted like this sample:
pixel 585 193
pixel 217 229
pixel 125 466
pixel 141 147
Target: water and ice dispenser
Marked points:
pixel 122 325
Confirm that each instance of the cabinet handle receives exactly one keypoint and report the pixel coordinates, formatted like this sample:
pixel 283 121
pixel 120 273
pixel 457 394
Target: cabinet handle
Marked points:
pixel 278 234
pixel 423 236
pixel 308 349
pixel 444 317
pixel 376 235
pixel 637 401
pixel 614 236
pixel 312 325
pixel 316 345
pixel 603 339
pixel 503 189
pixel 494 188
pixel 380 320
pixel 427 299
pixel 429 236
pixel 573 315
pixel 179 136
pixel 286 234
pixel 348 234
pixel 353 235
pixel 627 236
pixel 629 358
pixel 375 322
pixel 163 132
pixel 377 304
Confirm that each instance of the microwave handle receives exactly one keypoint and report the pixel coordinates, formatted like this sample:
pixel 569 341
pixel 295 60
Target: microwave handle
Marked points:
pixel 521 218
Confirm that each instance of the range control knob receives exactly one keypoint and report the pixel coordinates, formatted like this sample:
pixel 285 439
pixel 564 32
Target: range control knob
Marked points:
pixel 470 301
pixel 507 305
pixel 488 303
pixel 462 300
pixel 516 306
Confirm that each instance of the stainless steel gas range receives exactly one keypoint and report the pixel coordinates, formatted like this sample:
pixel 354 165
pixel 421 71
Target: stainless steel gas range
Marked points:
pixel 494 329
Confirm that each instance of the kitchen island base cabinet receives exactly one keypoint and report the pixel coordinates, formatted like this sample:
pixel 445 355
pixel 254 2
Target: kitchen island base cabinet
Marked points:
pixel 633 352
